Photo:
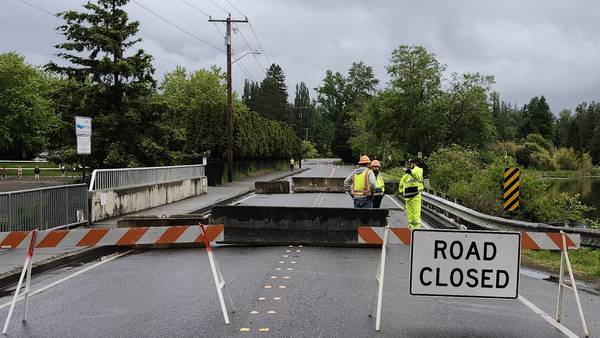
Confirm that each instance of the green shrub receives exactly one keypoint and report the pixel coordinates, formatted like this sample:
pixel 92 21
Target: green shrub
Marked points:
pixel 309 150
pixel 566 159
pixel 539 140
pixel 452 164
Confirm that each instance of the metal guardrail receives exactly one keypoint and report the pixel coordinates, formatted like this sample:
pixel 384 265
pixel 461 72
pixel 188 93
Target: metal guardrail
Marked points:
pixel 44 208
pixel 476 219
pixel 103 179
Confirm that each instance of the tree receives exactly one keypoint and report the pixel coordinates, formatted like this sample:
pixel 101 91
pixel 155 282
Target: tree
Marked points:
pixel 537 118
pixel 302 109
pixel 563 126
pixel 464 109
pixel 98 40
pixel 251 89
pixel 415 84
pixel 332 99
pixel 361 83
pixel 271 99
pixel 27 112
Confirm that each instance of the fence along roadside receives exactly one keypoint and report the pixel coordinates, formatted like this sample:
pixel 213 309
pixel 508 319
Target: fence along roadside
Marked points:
pixel 44 208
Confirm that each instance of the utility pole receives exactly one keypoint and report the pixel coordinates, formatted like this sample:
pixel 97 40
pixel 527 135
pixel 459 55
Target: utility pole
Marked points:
pixel 228 22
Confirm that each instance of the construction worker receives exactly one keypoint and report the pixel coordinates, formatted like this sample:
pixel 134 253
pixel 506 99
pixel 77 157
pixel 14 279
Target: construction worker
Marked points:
pixel 292 162
pixel 361 184
pixel 379 184
pixel 410 187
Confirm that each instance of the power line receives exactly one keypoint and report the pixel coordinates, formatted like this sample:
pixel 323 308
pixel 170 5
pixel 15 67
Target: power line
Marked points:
pixel 242 65
pixel 252 28
pixel 196 8
pixel 178 27
pixel 250 48
pixel 259 44
pixel 219 6
pixel 237 9
pixel 39 8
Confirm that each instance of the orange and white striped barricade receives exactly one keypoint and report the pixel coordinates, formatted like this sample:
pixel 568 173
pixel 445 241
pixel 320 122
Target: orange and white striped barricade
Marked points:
pixel 562 241
pixel 111 237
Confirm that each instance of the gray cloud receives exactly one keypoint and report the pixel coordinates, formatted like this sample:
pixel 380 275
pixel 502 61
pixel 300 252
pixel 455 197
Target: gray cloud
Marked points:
pixel 532 47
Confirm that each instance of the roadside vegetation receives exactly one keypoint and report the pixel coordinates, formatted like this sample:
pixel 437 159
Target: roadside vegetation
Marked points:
pixel 585 262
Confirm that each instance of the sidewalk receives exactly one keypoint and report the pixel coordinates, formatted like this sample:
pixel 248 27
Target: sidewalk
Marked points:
pixel 214 196
pixel 11 261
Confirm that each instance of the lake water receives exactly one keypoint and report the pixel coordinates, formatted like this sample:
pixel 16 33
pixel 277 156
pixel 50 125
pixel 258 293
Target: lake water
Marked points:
pixel 587 187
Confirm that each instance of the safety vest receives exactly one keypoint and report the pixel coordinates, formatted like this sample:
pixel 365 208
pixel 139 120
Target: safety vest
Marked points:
pixel 412 185
pixel 379 184
pixel 361 183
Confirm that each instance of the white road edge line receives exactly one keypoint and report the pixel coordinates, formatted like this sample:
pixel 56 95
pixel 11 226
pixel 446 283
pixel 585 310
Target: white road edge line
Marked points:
pixel 424 225
pixel 396 202
pixel 66 278
pixel 547 317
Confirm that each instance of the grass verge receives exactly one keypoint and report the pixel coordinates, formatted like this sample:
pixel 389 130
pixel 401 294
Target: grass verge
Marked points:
pixel 585 262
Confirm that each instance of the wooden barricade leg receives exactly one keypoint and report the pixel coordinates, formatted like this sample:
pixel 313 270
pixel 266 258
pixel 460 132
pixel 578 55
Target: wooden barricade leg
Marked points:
pixel 219 282
pixel 564 258
pixel 380 279
pixel 26 271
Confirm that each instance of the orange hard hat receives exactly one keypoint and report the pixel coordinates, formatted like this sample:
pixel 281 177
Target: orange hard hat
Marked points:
pixel 375 163
pixel 364 159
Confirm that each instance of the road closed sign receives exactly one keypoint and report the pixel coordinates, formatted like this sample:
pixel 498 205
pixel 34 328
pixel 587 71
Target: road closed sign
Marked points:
pixel 465 263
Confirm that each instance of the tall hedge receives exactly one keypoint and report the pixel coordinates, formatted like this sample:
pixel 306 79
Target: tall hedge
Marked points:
pixel 196 109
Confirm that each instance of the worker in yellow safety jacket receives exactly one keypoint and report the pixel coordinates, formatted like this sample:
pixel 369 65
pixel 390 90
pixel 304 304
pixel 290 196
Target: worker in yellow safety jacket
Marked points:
pixel 360 184
pixel 410 187
pixel 379 184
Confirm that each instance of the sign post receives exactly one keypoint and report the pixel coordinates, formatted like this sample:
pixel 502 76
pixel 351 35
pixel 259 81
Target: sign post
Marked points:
pixel 83 133
pixel 482 264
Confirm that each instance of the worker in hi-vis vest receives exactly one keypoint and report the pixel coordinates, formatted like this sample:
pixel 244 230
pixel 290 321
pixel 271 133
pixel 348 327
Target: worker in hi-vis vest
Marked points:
pixel 379 184
pixel 361 184
pixel 410 187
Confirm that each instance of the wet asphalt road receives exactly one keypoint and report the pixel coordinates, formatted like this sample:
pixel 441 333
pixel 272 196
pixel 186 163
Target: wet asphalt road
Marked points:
pixel 327 293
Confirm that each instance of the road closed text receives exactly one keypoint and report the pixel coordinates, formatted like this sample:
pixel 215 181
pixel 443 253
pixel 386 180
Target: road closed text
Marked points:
pixel 465 263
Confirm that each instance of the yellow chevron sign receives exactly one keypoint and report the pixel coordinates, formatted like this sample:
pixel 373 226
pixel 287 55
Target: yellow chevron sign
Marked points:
pixel 511 185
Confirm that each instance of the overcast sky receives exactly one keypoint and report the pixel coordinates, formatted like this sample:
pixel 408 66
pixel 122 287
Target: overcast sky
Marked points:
pixel 538 47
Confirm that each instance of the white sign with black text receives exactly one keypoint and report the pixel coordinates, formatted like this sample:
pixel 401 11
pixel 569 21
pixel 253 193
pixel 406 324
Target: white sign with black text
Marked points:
pixel 465 263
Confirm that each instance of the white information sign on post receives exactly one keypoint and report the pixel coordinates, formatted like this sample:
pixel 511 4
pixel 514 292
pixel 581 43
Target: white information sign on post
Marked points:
pixel 83 132
pixel 465 263
pixel 84 145
pixel 83 126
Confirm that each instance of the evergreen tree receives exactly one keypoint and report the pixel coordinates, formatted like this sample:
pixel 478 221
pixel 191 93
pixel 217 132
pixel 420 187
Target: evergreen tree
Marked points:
pixel 537 118
pixel 251 89
pixel 98 41
pixel 302 110
pixel 271 99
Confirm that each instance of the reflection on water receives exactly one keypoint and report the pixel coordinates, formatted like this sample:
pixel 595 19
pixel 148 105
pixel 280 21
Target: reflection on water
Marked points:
pixel 587 187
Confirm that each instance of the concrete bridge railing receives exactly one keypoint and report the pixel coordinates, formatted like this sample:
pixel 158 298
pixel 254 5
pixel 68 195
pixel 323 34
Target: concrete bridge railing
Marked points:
pixel 116 192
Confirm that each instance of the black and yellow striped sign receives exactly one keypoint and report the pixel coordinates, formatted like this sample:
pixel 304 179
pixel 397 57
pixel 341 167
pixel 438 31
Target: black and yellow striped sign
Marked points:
pixel 511 185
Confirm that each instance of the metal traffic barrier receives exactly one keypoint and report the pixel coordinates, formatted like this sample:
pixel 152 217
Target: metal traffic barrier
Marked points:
pixel 477 220
pixel 103 179
pixel 44 208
